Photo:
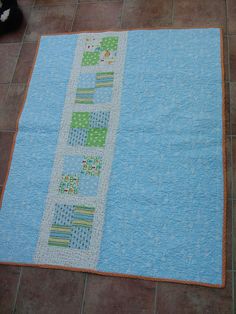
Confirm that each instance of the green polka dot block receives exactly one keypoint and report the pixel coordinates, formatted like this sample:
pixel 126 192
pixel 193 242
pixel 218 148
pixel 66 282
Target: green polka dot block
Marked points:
pixel 80 120
pixel 109 43
pixel 90 58
pixel 96 137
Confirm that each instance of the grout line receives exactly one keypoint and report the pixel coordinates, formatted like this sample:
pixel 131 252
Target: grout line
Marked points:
pixel 232 166
pixel 173 12
pixel 17 290
pixel 22 42
pixel 73 19
pixel 48 5
pixel 233 271
pixel 155 300
pixel 84 293
pixel 96 1
pixel 14 70
pixel 232 248
pixel 7 130
pixel 233 289
pixel 228 61
pixel 226 17
pixel 122 13
pixel 73 3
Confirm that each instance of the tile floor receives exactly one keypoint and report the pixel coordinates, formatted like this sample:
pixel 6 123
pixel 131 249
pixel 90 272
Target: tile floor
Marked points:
pixel 29 290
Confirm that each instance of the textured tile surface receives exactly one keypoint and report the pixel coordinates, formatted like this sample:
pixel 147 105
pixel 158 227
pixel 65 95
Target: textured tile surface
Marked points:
pixel 25 63
pixel 234 234
pixel 231 10
pixel 229 258
pixel 199 13
pixel 184 299
pixel 105 295
pixel 234 166
pixel 54 2
pixel 47 20
pixel 10 109
pixel 229 166
pixel 108 16
pixel 6 140
pixel 49 291
pixel 8 59
pixel 233 107
pixel 3 95
pixel 141 13
pixel 9 277
pixel 232 55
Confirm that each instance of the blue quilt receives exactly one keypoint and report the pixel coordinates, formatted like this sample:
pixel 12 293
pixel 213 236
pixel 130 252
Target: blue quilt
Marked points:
pixel 118 162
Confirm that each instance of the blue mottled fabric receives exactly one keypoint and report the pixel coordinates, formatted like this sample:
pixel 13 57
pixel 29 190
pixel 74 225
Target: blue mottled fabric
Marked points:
pixel 165 201
pixel 34 152
pixel 164 209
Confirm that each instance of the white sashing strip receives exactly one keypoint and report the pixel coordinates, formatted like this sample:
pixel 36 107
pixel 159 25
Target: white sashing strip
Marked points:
pixel 71 257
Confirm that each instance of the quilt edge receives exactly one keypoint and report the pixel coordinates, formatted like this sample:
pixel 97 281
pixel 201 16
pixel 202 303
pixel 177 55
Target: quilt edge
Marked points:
pixel 224 153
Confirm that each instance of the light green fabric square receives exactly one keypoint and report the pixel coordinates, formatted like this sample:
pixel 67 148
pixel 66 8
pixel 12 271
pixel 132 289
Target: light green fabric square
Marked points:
pixel 90 58
pixel 80 120
pixel 96 137
pixel 109 43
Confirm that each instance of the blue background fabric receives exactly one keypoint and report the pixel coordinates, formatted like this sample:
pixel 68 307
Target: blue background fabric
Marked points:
pixel 165 202
pixel 164 209
pixel 29 177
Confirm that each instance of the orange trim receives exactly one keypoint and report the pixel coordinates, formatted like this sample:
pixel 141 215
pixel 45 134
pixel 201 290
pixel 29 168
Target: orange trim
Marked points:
pixel 224 169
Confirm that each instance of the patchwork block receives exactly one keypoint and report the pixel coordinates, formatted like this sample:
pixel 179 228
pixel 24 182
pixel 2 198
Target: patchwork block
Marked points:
pixel 90 58
pixel 96 137
pixel 92 166
pixel 72 226
pixel 104 79
pixel 80 176
pixel 80 120
pixel 86 80
pixel 85 96
pixel 89 129
pixel 60 235
pixel 80 238
pixel 69 184
pixel 77 137
pixel 102 95
pixel 89 185
pixel 63 214
pixel 95 88
pixel 99 52
pixel 73 164
pixel 99 119
pixel 109 43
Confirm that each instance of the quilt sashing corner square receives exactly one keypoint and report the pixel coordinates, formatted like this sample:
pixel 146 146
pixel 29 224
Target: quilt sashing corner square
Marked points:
pixel 72 226
pixel 80 175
